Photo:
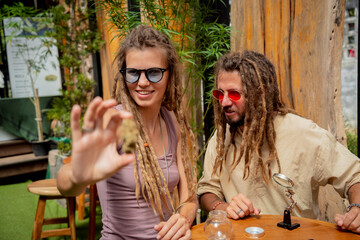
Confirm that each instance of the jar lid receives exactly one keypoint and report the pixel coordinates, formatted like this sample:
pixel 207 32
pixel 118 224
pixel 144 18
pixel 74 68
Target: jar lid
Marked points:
pixel 254 232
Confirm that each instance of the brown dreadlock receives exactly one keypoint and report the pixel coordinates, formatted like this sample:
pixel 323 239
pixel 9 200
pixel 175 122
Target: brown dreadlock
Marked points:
pixel 262 104
pixel 153 179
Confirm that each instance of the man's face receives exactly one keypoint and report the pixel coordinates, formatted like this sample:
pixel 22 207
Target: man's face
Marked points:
pixel 234 109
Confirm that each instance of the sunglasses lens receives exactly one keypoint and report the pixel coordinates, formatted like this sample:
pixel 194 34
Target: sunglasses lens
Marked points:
pixel 218 94
pixel 234 95
pixel 154 74
pixel 131 75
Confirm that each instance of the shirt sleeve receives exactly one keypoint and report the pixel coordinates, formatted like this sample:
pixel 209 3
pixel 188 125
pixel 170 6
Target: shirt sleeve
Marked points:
pixel 336 165
pixel 210 183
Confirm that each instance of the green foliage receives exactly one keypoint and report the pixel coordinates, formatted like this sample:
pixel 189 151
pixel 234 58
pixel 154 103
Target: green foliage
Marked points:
pixel 17 10
pixel 76 40
pixel 64 147
pixel 352 141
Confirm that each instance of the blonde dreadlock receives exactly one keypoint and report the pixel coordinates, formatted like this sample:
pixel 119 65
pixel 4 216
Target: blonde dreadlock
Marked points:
pixel 154 187
pixel 262 104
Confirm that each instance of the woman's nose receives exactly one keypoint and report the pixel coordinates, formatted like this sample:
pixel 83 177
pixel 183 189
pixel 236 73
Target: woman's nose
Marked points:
pixel 143 81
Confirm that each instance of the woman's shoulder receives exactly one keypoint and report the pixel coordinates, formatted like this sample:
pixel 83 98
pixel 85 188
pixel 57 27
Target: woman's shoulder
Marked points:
pixel 171 116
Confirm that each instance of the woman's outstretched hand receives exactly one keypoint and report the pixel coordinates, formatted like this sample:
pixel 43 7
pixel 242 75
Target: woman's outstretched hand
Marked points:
pixel 94 148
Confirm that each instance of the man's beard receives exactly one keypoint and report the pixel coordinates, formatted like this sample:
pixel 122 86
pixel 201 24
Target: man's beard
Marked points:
pixel 237 123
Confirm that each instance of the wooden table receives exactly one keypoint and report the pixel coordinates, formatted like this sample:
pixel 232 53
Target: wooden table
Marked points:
pixel 309 229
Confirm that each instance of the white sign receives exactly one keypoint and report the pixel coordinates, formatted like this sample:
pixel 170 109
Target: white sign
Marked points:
pixel 22 49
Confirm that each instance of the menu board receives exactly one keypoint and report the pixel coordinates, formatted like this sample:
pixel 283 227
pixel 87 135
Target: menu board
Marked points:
pixel 24 47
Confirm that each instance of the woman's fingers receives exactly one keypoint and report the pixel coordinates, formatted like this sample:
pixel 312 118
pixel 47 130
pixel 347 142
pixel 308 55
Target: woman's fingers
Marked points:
pixel 101 110
pixel 179 232
pixel 175 228
pixel 109 133
pixel 164 232
pixel 124 160
pixel 75 122
pixel 159 226
pixel 90 114
pixel 187 235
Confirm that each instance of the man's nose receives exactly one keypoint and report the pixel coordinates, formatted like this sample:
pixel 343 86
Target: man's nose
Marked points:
pixel 226 101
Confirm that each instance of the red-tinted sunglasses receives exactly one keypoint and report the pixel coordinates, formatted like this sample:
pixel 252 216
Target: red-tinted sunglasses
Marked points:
pixel 232 94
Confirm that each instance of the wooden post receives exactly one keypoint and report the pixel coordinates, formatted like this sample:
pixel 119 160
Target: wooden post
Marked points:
pixel 38 116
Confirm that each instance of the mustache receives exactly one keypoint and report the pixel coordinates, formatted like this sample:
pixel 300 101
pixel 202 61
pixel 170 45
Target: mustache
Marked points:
pixel 226 109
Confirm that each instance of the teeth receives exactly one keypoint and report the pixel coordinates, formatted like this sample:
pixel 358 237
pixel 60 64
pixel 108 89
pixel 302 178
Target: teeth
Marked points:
pixel 143 92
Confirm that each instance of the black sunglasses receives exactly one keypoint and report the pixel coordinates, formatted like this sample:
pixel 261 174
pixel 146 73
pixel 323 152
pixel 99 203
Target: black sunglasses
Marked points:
pixel 132 75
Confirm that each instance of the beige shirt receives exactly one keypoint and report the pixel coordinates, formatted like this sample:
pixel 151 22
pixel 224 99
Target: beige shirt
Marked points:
pixel 309 155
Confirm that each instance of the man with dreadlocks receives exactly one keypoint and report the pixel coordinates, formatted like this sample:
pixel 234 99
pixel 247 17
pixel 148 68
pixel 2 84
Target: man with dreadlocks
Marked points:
pixel 258 136
pixel 138 200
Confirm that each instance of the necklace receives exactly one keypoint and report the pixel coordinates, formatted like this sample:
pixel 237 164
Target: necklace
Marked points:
pixel 162 138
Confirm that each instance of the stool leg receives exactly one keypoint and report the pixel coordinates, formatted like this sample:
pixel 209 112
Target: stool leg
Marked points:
pixel 81 205
pixel 92 215
pixel 39 218
pixel 71 216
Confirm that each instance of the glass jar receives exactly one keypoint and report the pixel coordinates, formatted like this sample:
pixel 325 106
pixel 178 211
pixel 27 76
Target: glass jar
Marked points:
pixel 218 226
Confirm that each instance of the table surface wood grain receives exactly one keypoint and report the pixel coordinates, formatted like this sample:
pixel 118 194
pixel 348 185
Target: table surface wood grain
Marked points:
pixel 309 229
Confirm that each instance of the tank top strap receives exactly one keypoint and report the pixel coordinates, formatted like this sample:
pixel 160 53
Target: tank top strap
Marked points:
pixel 170 126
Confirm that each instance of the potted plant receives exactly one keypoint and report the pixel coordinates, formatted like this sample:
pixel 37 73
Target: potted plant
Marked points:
pixel 35 51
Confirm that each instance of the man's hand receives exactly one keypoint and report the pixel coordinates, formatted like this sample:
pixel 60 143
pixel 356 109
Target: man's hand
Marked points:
pixel 350 220
pixel 240 206
pixel 177 227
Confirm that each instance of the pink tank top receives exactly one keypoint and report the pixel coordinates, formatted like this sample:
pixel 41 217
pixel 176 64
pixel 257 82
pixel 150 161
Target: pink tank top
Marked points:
pixel 122 216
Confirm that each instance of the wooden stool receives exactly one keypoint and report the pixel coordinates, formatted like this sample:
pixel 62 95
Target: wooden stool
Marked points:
pixel 46 189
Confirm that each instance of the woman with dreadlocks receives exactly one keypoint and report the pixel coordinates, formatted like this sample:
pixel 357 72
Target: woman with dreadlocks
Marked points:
pixel 138 200
pixel 258 136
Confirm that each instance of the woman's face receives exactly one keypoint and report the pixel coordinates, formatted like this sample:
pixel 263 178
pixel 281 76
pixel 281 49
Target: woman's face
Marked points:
pixel 146 93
